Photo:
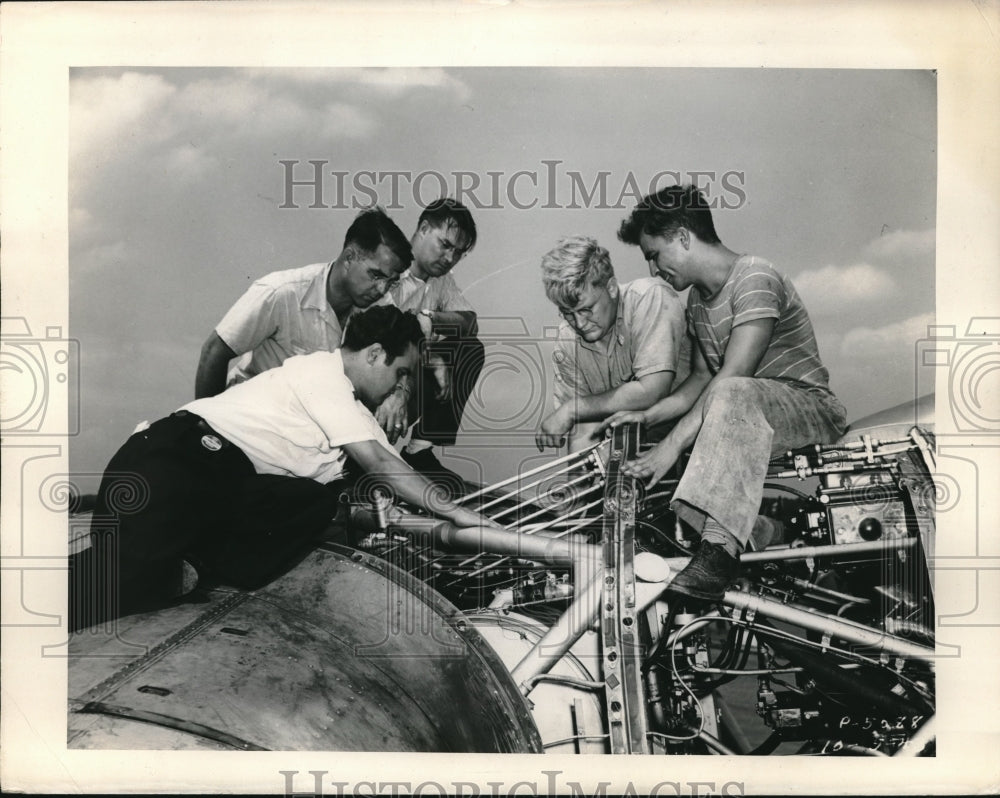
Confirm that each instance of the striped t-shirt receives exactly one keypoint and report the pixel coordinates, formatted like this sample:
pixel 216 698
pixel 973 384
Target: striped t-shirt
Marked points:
pixel 756 290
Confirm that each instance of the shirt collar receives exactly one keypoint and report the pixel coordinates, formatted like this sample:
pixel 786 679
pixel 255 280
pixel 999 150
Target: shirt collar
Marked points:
pixel 315 295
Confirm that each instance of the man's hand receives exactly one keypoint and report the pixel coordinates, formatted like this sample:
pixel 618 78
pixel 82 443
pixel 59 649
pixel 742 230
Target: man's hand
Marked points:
pixel 554 428
pixel 653 465
pixel 442 376
pixel 622 417
pixel 391 415
pixel 426 325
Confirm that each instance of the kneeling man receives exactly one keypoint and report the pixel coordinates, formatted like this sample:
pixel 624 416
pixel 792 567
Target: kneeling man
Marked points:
pixel 620 347
pixel 238 483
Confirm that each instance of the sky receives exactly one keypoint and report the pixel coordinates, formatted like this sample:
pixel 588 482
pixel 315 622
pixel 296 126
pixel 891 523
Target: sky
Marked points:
pixel 179 199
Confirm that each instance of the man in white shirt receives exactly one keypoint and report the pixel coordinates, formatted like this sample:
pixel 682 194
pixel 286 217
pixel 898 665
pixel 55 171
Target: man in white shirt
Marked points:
pixel 445 233
pixel 303 310
pixel 240 482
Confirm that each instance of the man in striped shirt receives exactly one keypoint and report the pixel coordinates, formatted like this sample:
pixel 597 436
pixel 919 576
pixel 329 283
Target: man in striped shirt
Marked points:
pixel 757 384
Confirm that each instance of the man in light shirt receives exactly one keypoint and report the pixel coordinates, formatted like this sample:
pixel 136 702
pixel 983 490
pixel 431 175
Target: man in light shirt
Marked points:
pixel 445 233
pixel 620 346
pixel 303 310
pixel 240 482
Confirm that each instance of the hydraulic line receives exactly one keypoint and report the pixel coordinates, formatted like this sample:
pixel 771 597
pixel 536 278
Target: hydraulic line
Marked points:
pixel 837 550
pixel 829 625
pixel 504 559
pixel 716 744
pixel 545 510
pixel 828 672
pixel 579 456
pixel 577 619
pixel 516 494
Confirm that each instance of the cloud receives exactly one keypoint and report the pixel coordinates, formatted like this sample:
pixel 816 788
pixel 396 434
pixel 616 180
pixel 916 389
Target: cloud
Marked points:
pixel 104 111
pixel 833 289
pixel 888 342
pixel 396 81
pixel 102 258
pixel 149 114
pixel 903 245
pixel 187 163
pixel 342 120
pixel 889 270
pixel 392 81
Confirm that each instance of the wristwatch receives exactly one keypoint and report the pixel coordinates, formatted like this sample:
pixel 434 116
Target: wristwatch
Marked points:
pixel 428 313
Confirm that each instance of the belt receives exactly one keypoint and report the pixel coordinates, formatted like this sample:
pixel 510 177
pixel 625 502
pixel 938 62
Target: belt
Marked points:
pixel 211 439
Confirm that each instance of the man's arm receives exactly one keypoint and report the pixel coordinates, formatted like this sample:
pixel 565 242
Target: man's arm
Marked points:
pixel 410 486
pixel 253 318
pixel 455 323
pixel 213 363
pixel 393 415
pixel 568 387
pixel 747 345
pixel 683 399
pixel 634 395
pixel 451 312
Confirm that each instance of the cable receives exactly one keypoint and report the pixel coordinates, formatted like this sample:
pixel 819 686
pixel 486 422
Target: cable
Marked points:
pixel 567 680
pixel 574 738
pixel 773 632
pixel 786 489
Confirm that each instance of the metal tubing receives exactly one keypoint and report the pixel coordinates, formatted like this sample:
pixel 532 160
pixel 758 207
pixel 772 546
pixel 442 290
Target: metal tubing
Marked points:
pixel 806 585
pixel 826 624
pixel 842 549
pixel 580 455
pixel 559 639
pixel 825 671
pixel 570 524
pixel 553 551
pixel 544 510
pixel 563 518
pixel 520 490
pixel 538 530
pixel 716 744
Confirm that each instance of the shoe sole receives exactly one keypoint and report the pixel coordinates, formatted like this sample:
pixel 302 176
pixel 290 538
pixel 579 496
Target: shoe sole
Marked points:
pixel 695 593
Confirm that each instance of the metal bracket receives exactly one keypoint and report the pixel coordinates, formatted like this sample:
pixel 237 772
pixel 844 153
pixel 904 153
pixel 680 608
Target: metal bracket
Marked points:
pixel 621 647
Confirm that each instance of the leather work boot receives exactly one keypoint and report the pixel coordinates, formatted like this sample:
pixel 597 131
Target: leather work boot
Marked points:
pixel 709 573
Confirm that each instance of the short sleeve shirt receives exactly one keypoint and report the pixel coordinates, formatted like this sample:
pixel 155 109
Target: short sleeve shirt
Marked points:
pixel 282 314
pixel 756 290
pixel 294 420
pixel 648 337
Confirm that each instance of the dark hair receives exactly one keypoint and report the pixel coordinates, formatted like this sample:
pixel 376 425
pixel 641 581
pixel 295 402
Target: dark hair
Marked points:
pixel 447 211
pixel 670 208
pixel 372 227
pixel 387 325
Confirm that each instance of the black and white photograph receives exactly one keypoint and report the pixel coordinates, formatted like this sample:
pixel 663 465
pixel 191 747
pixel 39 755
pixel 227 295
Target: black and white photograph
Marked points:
pixel 585 404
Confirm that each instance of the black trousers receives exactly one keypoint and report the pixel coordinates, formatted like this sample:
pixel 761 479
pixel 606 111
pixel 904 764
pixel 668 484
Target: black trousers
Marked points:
pixel 439 420
pixel 179 489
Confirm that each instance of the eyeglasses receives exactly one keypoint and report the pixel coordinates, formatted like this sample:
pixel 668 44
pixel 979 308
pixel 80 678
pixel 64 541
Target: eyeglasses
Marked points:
pixel 584 313
pixel 383 283
pixel 451 248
